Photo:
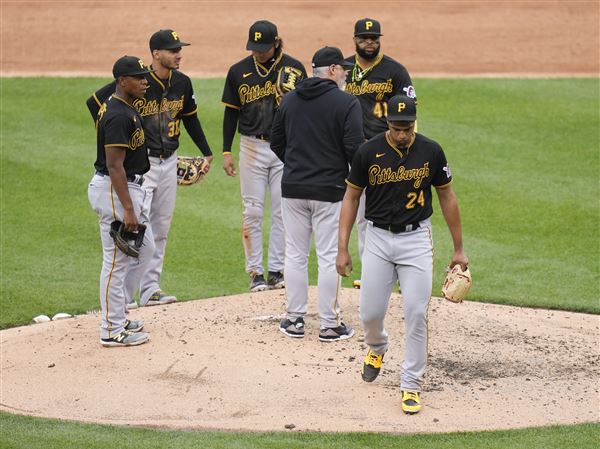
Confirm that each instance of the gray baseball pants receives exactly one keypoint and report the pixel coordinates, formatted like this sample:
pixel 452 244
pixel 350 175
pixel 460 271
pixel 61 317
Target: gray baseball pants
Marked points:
pixel 261 169
pixel 121 274
pixel 301 219
pixel 408 258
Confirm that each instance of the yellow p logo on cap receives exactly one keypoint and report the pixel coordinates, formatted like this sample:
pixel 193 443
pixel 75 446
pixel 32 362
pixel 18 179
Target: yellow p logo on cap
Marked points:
pixel 368 24
pixel 175 35
pixel 401 107
pixel 257 36
pixel 141 63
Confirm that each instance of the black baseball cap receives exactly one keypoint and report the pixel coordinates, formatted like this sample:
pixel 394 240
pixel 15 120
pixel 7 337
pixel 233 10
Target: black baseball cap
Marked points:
pixel 261 36
pixel 326 56
pixel 367 27
pixel 402 109
pixel 130 66
pixel 166 40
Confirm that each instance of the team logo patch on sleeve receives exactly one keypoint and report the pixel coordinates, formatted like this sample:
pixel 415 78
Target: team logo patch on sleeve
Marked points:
pixel 447 170
pixel 410 91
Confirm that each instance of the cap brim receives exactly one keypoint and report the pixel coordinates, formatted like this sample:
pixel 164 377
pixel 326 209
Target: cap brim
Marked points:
pixel 346 65
pixel 401 118
pixel 366 33
pixel 173 46
pixel 261 47
pixel 140 72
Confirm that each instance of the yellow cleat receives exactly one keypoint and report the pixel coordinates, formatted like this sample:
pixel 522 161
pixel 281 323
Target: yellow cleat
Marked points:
pixel 411 402
pixel 372 366
pixel 356 283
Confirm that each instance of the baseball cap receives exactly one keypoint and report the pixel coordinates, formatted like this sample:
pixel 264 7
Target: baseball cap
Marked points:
pixel 130 66
pixel 262 36
pixel 326 56
pixel 402 109
pixel 166 40
pixel 367 27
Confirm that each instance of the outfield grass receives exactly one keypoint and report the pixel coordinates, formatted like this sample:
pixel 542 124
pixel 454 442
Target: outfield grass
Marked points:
pixel 524 155
pixel 20 432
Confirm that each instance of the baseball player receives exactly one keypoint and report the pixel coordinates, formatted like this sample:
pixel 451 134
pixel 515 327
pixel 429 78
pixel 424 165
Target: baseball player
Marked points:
pixel 373 79
pixel 168 102
pixel 315 133
pixel 253 89
pixel 115 193
pixel 397 170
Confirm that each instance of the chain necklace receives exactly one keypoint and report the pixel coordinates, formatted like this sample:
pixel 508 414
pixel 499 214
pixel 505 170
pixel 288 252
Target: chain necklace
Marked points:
pixel 358 74
pixel 257 66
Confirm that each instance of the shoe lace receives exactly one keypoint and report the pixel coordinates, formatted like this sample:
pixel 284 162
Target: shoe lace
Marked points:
pixel 411 395
pixel 374 359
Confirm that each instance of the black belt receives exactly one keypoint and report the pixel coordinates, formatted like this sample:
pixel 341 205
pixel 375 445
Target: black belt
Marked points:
pixel 136 179
pixel 396 228
pixel 260 136
pixel 161 154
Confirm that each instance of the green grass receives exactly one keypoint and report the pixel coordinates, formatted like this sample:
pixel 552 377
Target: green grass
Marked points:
pixel 524 154
pixel 18 432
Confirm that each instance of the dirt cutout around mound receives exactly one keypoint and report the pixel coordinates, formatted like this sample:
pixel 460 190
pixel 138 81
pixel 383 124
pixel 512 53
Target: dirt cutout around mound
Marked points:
pixel 222 363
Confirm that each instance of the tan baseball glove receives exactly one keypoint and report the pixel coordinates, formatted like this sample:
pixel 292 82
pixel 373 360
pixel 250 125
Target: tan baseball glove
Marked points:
pixel 190 170
pixel 457 284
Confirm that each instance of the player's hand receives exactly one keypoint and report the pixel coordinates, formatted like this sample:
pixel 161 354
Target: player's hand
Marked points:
pixel 343 263
pixel 208 160
pixel 459 258
pixel 130 221
pixel 229 164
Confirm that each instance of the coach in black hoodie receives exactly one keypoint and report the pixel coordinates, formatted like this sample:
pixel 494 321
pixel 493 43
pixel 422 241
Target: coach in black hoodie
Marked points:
pixel 316 131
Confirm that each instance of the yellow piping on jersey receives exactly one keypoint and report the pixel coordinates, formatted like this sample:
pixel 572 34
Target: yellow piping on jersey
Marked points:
pixel 117 145
pixel 96 99
pixel 159 81
pixel 190 113
pixel 354 186
pixel 231 106
pixel 444 186
pixel 389 141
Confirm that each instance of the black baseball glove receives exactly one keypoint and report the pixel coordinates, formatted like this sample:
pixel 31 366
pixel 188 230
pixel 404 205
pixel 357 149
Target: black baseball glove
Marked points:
pixel 128 242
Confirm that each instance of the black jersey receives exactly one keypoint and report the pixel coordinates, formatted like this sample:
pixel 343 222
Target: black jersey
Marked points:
pixel 398 182
pixel 120 126
pixel 251 88
pixel 163 106
pixel 374 87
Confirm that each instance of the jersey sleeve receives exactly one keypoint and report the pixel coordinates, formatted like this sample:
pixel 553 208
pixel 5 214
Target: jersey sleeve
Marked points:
pixel 359 169
pixel 230 95
pixel 117 131
pixel 189 100
pixel 442 174
pixel 403 83
pixel 94 103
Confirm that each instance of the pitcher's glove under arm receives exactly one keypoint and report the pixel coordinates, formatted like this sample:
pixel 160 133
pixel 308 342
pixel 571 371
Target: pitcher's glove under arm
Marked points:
pixel 457 284
pixel 287 77
pixel 190 170
pixel 128 242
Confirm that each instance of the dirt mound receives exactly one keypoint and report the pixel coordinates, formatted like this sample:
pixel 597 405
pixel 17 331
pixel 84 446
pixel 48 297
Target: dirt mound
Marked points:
pixel 221 363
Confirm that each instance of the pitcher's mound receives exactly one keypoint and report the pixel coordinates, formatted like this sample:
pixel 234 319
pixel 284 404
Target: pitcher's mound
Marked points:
pixel 222 363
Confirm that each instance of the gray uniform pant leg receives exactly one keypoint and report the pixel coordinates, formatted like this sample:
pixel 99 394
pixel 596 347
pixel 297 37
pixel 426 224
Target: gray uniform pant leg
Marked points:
pixel 115 264
pixel 302 218
pixel 260 170
pixel 160 186
pixel 407 257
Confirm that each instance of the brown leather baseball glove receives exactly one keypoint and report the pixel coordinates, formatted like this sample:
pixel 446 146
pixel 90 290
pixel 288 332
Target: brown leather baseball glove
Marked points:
pixel 190 170
pixel 457 284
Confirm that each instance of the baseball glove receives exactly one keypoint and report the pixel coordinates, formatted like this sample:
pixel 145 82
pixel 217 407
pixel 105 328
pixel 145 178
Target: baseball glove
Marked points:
pixel 190 170
pixel 457 284
pixel 128 242
pixel 286 81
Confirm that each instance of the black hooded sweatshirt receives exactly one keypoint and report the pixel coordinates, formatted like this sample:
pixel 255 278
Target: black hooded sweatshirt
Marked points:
pixel 316 131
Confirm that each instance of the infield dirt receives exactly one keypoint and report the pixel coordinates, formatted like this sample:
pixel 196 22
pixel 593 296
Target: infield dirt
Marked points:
pixel 221 363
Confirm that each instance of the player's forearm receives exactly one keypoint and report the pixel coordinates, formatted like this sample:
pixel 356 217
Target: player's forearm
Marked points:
pixel 347 218
pixel 194 129
pixel 230 121
pixel 451 213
